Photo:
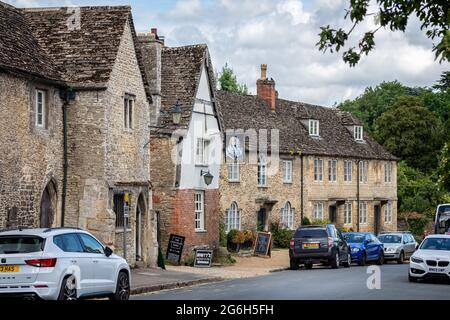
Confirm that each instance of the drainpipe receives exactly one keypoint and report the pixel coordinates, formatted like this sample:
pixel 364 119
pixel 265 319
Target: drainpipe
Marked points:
pixel 67 95
pixel 357 193
pixel 301 189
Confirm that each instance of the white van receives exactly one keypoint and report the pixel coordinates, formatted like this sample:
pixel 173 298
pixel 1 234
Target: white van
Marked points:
pixel 442 221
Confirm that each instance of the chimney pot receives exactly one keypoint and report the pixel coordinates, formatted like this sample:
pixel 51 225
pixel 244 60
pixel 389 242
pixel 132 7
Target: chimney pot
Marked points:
pixel 263 71
pixel 266 89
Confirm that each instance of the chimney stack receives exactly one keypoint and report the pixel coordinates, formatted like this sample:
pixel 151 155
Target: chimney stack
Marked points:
pixel 266 89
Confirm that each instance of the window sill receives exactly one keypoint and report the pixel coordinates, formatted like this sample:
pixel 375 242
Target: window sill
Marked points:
pixel 201 231
pixel 234 181
pixel 288 182
pixel 121 230
pixel 202 165
pixel 263 187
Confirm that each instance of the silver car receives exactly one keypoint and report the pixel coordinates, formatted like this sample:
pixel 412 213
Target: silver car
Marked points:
pixel 398 246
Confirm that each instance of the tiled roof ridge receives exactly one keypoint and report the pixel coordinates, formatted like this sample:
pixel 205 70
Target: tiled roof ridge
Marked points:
pixel 56 8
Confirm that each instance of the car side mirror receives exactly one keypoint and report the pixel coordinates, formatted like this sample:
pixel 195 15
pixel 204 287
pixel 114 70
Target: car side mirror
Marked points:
pixel 108 251
pixel 367 241
pixel 417 247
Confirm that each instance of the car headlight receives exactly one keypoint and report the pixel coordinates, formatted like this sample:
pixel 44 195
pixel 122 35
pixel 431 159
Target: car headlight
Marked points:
pixel 355 250
pixel 391 250
pixel 416 260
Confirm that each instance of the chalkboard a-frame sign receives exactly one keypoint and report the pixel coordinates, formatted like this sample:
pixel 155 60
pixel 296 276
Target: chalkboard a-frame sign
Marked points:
pixel 175 248
pixel 263 244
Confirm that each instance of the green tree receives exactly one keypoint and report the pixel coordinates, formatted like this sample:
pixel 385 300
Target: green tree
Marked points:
pixel 444 168
pixel 228 82
pixel 411 132
pixel 444 83
pixel 434 16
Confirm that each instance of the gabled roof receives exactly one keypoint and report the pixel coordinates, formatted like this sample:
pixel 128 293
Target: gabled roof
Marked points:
pixel 86 55
pixel 336 140
pixel 181 69
pixel 19 49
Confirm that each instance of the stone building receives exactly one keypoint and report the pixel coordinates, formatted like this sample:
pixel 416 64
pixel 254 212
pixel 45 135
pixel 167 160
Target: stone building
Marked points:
pixel 107 157
pixel 184 153
pixel 323 165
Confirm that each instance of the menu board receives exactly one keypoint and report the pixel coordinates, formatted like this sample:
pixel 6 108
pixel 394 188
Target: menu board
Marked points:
pixel 175 248
pixel 263 244
pixel 203 258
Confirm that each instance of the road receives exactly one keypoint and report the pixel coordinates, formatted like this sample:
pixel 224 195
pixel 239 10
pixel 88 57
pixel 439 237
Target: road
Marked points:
pixel 318 284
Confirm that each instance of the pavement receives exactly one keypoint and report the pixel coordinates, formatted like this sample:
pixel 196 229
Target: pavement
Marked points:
pixel 320 283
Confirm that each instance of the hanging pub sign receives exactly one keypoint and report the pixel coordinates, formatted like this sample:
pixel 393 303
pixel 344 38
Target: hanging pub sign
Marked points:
pixel 203 258
pixel 175 248
pixel 263 244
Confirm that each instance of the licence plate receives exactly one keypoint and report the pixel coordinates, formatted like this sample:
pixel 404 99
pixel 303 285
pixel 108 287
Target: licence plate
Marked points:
pixel 437 270
pixel 310 246
pixel 9 269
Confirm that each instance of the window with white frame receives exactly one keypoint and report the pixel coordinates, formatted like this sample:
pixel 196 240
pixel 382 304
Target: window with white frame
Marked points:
pixel 199 204
pixel 318 211
pixel 363 171
pixel 233 218
pixel 314 128
pixel 233 171
pixel 388 212
pixel 359 133
pixel 363 212
pixel 332 170
pixel 318 170
pixel 128 112
pixel 348 213
pixel 40 109
pixel 287 216
pixel 388 172
pixel 262 171
pixel 287 171
pixel 348 167
pixel 201 151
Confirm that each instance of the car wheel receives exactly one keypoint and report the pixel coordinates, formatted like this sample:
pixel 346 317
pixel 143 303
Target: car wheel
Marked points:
pixel 412 279
pixel 380 260
pixel 349 261
pixel 308 266
pixel 335 261
pixel 293 264
pixel 122 288
pixel 401 259
pixel 68 289
pixel 363 260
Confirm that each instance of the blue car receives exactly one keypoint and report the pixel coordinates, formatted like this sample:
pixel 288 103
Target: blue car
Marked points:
pixel 365 247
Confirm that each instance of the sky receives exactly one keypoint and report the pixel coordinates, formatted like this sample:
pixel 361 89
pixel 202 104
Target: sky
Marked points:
pixel 283 34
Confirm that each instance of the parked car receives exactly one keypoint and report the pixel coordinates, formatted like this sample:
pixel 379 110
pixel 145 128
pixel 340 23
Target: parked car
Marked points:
pixel 319 244
pixel 398 246
pixel 432 259
pixel 365 247
pixel 442 219
pixel 60 264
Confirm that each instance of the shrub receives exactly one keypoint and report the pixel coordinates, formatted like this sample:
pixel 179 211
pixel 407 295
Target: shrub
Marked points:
pixel 222 235
pixel 320 222
pixel 281 236
pixel 161 260
pixel 306 221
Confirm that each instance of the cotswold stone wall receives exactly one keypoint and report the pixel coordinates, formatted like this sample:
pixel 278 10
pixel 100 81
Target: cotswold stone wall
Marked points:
pixel 30 157
pixel 246 193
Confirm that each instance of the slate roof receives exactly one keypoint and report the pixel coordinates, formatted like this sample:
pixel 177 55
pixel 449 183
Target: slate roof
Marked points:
pixel 251 112
pixel 85 56
pixel 19 49
pixel 180 76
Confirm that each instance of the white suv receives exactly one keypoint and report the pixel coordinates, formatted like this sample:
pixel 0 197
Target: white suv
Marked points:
pixel 60 264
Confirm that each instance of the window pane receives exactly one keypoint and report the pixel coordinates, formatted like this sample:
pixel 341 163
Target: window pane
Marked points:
pixel 90 244
pixel 130 114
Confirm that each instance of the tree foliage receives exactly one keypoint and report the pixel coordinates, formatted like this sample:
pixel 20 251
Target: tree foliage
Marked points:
pixel 434 16
pixel 228 82
pixel 444 168
pixel 411 132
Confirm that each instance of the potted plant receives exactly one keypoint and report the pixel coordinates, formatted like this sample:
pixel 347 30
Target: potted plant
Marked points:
pixel 249 239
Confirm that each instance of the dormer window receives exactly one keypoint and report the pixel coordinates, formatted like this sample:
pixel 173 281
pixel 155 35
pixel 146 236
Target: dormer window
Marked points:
pixel 359 133
pixel 314 128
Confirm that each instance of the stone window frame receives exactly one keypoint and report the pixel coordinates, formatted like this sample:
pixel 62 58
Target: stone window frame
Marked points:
pixel 44 106
pixel 233 168
pixel 348 213
pixel 388 213
pixel 318 207
pixel 363 167
pixel 262 171
pixel 287 216
pixel 363 213
pixel 233 217
pixel 358 133
pixel 388 172
pixel 288 174
pixel 332 174
pixel 129 103
pixel 348 171
pixel 314 128
pixel 318 174
pixel 199 211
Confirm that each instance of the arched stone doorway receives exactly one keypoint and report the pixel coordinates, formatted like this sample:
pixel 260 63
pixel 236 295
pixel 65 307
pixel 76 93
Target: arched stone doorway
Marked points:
pixel 48 206
pixel 140 218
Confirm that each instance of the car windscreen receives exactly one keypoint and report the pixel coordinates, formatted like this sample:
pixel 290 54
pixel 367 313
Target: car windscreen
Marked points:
pixel 436 244
pixel 390 238
pixel 354 238
pixel 20 244
pixel 311 233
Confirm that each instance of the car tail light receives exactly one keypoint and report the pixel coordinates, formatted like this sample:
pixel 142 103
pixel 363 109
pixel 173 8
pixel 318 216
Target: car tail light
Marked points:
pixel 330 242
pixel 41 263
pixel 292 244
